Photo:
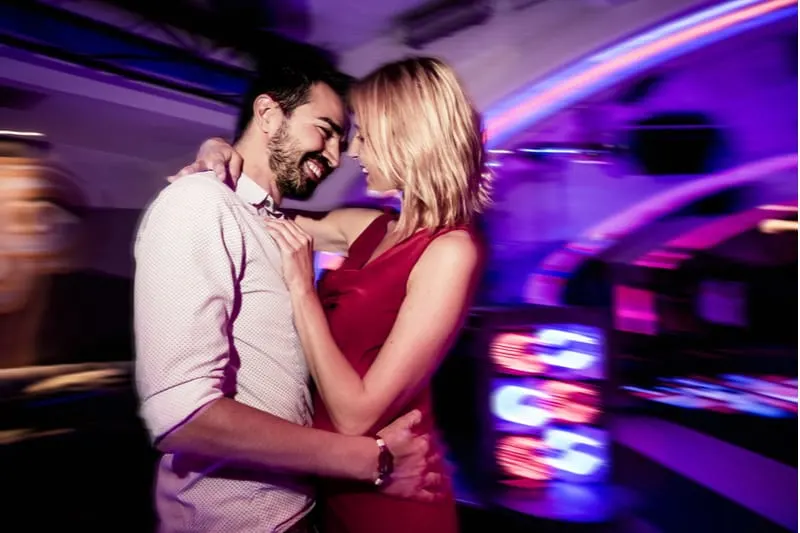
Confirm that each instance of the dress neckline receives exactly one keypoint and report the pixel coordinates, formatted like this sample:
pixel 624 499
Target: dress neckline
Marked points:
pixel 372 238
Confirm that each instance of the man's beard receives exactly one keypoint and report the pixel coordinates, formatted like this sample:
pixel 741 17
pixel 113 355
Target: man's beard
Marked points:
pixel 287 162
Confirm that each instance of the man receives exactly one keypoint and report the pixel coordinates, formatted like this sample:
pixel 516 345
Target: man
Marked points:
pixel 220 372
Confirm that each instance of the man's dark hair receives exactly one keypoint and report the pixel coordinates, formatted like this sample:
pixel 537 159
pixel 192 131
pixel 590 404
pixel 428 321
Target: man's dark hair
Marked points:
pixel 289 84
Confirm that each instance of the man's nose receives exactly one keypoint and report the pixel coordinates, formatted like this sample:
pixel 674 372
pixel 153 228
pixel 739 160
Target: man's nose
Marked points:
pixel 333 154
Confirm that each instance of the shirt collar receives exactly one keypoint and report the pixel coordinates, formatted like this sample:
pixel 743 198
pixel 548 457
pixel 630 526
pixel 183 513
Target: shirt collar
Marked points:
pixel 255 195
pixel 251 192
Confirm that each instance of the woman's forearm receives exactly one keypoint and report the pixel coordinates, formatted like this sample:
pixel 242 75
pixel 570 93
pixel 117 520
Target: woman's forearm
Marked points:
pixel 340 386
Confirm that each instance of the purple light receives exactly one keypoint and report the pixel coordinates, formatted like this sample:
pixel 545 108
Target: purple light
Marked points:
pixel 667 202
pixel 615 63
pixel 770 397
pixel 600 237
pixel 703 238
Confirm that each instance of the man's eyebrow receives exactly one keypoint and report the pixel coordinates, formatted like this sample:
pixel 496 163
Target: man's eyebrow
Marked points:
pixel 334 126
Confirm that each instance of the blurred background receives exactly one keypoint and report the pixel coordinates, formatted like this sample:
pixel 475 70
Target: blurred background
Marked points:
pixel 631 361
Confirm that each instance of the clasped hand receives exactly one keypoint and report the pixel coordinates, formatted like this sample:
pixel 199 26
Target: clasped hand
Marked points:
pixel 297 248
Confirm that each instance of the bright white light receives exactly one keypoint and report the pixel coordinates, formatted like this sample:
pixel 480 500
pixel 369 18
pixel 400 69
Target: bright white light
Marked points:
pixel 21 133
pixel 777 226
pixel 509 404
pixel 571 460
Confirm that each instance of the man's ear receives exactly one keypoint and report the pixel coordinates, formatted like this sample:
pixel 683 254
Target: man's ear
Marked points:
pixel 267 114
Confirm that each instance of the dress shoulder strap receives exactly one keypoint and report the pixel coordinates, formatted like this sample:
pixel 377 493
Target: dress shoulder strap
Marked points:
pixel 369 239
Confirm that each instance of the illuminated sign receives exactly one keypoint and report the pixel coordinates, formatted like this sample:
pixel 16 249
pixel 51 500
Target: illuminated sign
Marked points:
pixel 571 455
pixel 537 403
pixel 545 403
pixel 554 351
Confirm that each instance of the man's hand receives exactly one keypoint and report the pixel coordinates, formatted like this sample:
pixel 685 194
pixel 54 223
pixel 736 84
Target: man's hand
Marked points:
pixel 419 471
pixel 217 155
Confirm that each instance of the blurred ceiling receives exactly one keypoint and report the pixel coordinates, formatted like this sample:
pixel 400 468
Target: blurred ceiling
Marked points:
pixel 245 25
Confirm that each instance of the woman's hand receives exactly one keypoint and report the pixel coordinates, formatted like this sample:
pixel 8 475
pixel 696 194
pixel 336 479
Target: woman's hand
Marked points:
pixel 297 249
pixel 217 155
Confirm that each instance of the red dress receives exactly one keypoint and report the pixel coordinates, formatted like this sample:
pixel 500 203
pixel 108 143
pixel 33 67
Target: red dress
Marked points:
pixel 361 303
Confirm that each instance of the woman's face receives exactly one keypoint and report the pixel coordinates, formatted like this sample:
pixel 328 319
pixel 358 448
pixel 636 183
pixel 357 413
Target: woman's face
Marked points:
pixel 361 151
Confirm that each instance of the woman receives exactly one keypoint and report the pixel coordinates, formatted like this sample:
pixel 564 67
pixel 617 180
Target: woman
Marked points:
pixel 377 328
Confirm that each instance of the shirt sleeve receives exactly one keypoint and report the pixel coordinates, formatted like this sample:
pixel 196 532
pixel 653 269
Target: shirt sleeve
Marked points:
pixel 189 252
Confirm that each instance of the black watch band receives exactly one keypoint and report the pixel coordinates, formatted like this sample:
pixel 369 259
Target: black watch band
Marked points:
pixel 385 463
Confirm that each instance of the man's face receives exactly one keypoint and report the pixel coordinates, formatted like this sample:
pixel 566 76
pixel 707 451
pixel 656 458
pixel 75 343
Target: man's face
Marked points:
pixel 306 147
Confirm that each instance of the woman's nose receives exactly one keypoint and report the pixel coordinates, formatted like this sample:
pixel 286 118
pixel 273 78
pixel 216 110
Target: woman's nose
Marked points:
pixel 352 150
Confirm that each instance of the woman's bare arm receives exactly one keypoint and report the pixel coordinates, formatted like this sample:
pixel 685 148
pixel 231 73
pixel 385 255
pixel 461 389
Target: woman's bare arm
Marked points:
pixel 439 292
pixel 336 230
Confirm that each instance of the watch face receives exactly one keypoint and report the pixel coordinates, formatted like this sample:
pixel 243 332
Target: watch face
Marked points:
pixel 385 461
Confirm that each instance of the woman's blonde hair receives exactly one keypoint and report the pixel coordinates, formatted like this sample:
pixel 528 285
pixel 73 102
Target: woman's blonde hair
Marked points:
pixel 425 136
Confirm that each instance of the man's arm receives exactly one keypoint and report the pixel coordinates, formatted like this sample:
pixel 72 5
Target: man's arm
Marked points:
pixel 252 438
pixel 189 254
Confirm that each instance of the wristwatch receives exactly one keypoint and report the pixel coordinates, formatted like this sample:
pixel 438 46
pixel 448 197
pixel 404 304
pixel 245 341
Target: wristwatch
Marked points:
pixel 385 463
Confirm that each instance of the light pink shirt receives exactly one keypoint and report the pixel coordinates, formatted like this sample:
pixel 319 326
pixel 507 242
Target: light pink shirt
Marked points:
pixel 213 318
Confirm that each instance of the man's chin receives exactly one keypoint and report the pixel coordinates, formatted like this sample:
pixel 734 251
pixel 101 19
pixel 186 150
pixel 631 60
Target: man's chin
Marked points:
pixel 300 194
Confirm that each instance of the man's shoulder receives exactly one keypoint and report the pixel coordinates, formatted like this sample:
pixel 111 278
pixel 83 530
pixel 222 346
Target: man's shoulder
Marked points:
pixel 199 189
pixel 192 201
